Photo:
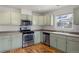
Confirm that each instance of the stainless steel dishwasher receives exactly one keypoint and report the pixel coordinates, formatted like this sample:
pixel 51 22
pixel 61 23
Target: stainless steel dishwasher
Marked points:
pixel 46 38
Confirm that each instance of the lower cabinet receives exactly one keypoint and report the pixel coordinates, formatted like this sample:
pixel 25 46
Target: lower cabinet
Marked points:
pixel 53 41
pixel 65 43
pixel 58 41
pixel 37 37
pixel 72 46
pixel 10 41
pixel 61 43
pixel 16 41
pixel 5 43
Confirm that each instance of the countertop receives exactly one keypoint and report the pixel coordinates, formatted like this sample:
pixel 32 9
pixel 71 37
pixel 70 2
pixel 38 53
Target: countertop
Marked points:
pixel 73 34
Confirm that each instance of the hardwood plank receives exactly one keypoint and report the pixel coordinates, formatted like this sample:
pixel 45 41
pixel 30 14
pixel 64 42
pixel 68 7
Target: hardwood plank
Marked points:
pixel 38 48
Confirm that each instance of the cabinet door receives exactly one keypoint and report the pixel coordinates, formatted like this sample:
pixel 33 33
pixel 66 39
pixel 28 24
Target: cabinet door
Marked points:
pixel 41 20
pixel 47 20
pixel 5 43
pixel 73 46
pixel 52 19
pixel 61 43
pixel 35 20
pixel 53 41
pixel 4 16
pixel 1 44
pixel 15 17
pixel 37 37
pixel 16 41
pixel 76 16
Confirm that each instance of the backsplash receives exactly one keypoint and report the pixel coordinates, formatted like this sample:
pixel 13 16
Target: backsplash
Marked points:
pixel 36 27
pixel 9 28
pixel 17 28
pixel 74 29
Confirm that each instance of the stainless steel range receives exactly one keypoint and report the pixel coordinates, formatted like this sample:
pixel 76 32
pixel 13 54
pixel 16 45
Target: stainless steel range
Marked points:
pixel 28 35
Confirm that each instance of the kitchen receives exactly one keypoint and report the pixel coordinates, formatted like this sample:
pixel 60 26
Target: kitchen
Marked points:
pixel 53 27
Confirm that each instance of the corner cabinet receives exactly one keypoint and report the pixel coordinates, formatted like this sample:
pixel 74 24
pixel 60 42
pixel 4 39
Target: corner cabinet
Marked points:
pixel 38 37
pixel 15 16
pixel 76 16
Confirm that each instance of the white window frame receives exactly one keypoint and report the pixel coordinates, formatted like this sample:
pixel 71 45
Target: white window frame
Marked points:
pixel 58 28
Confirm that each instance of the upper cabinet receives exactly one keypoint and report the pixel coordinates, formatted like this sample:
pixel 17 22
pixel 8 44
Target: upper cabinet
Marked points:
pixel 47 20
pixel 4 16
pixel 26 17
pixel 35 20
pixel 76 16
pixel 41 20
pixel 9 16
pixel 15 16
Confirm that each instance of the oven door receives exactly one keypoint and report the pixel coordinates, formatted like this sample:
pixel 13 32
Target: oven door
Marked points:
pixel 28 39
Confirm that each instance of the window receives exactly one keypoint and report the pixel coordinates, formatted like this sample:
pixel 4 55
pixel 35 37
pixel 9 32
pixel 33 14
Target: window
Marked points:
pixel 64 21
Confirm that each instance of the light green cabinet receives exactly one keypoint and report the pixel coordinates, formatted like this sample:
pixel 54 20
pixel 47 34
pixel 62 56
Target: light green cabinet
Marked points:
pixel 53 40
pixel 61 43
pixel 73 45
pixel 76 16
pixel 15 16
pixel 37 37
pixel 65 43
pixel 10 41
pixel 5 43
pixel 16 40
pixel 58 41
pixel 1 44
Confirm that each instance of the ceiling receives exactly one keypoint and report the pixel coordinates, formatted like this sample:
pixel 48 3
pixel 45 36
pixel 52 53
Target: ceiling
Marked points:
pixel 37 8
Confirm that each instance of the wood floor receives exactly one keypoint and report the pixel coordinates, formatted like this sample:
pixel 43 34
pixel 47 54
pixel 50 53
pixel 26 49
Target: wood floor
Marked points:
pixel 38 48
